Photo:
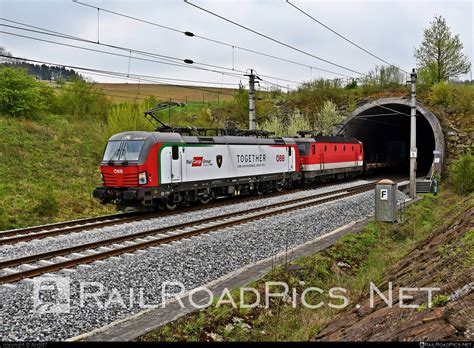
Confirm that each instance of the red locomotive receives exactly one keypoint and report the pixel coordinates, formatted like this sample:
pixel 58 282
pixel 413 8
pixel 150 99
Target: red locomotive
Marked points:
pixel 179 166
pixel 166 169
pixel 323 157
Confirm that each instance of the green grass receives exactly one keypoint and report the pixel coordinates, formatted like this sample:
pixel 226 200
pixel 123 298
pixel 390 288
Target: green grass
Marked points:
pixel 365 256
pixel 48 169
pixel 439 300
pixel 49 165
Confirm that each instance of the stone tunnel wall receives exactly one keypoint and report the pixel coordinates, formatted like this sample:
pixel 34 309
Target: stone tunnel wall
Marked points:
pixel 448 134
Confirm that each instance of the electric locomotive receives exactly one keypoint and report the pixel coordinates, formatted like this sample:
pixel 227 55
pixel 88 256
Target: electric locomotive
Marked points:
pixel 165 169
pixel 179 166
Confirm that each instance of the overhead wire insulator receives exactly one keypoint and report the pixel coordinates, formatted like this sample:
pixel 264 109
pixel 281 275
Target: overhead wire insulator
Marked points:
pixel 188 33
pixel 188 61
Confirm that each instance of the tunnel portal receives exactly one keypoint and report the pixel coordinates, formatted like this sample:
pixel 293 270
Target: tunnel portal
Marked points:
pixel 384 128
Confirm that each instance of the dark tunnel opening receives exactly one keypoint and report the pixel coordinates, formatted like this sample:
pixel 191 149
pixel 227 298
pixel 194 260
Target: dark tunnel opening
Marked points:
pixel 385 133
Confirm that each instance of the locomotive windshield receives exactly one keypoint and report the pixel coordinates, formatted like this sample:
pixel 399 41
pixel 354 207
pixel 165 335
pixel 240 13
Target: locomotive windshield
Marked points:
pixel 123 150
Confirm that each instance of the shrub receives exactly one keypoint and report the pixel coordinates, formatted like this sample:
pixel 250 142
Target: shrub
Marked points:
pixel 457 97
pixel 327 117
pixel 442 94
pixel 83 100
pixel 462 174
pixel 128 117
pixel 297 123
pixel 20 94
pixel 273 124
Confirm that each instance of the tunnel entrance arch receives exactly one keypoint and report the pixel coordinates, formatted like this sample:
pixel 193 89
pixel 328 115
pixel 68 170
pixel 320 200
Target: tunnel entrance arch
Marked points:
pixel 383 126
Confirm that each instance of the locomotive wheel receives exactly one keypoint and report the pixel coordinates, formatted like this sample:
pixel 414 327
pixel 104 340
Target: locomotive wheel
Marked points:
pixel 170 205
pixel 205 199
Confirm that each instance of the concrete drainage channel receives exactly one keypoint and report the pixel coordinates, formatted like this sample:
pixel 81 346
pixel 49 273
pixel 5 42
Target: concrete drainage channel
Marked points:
pixel 193 262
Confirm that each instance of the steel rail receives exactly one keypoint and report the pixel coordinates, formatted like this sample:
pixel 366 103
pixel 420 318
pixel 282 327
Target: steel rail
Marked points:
pixel 266 211
pixel 66 227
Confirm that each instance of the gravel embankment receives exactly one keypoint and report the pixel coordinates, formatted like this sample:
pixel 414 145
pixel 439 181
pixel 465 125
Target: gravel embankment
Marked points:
pixel 193 262
pixel 8 252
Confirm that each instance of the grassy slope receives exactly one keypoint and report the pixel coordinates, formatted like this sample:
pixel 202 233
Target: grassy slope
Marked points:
pixel 48 169
pixel 367 255
pixel 49 166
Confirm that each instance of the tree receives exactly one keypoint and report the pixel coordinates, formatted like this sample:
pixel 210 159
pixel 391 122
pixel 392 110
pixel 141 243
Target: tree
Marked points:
pixel 273 124
pixel 297 123
pixel 384 75
pixel 20 94
pixel 327 117
pixel 82 99
pixel 440 54
pixel 428 74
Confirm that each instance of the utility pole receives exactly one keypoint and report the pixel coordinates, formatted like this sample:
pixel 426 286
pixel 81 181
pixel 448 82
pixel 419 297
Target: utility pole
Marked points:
pixel 252 118
pixel 413 149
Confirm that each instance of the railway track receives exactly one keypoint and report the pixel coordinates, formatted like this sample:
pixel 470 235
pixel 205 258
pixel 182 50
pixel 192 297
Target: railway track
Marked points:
pixel 60 228
pixel 90 252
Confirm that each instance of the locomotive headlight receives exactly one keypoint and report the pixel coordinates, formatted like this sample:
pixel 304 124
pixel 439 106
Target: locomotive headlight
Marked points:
pixel 142 179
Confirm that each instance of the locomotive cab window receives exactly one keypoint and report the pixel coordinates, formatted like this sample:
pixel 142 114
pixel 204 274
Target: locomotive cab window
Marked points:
pixel 123 150
pixel 303 149
pixel 174 152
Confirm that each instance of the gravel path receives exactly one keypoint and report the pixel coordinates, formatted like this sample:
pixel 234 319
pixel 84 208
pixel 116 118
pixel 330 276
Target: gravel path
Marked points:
pixel 193 262
pixel 8 252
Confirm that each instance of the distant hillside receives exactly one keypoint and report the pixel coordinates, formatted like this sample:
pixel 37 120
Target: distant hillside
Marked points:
pixel 43 72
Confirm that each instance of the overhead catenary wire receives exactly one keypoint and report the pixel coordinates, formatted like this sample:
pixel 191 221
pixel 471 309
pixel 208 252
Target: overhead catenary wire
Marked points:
pixel 274 40
pixel 159 96
pixel 128 50
pixel 65 89
pixel 163 78
pixel 118 74
pixel 158 79
pixel 65 36
pixel 88 49
pixel 114 93
pixel 191 34
pixel 344 38
pixel 176 61
pixel 140 78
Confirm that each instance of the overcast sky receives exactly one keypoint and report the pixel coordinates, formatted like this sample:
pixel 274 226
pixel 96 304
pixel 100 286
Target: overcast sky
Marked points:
pixel 389 29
